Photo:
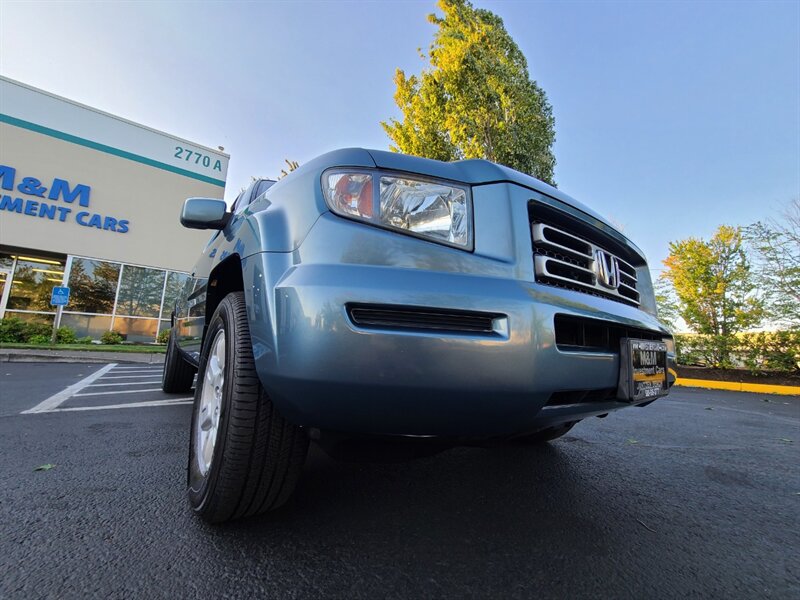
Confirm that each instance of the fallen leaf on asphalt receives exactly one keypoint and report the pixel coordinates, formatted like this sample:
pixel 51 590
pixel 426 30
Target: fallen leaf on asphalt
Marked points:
pixel 46 467
pixel 766 400
pixel 632 441
pixel 643 524
pixel 709 408
pixel 787 440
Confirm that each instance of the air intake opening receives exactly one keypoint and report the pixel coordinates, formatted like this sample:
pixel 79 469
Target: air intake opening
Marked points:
pixel 577 334
pixel 377 316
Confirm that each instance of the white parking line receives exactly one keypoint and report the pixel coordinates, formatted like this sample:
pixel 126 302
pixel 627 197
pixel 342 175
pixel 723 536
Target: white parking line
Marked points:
pixel 127 383
pixel 128 405
pixel 137 368
pixel 128 377
pixel 56 399
pixel 127 371
pixel 115 392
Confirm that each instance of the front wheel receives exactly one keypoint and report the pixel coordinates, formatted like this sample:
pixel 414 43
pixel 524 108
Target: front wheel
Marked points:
pixel 244 457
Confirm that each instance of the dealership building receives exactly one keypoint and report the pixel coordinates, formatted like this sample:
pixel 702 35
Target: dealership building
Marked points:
pixel 91 201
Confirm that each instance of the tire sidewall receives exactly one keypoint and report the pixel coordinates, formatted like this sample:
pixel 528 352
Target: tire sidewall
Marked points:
pixel 201 488
pixel 169 359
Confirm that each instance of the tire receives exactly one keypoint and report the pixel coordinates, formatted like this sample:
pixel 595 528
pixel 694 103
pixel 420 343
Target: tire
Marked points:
pixel 178 374
pixel 255 456
pixel 545 435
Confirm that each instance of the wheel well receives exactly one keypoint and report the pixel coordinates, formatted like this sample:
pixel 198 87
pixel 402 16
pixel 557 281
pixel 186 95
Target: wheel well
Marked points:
pixel 224 279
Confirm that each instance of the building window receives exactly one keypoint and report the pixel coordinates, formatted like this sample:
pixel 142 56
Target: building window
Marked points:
pixel 6 261
pixel 135 301
pixel 136 330
pixel 140 292
pixel 93 286
pixel 33 282
pixel 92 326
pixel 175 284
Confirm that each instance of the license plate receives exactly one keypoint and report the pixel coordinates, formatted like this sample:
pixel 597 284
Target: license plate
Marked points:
pixel 643 370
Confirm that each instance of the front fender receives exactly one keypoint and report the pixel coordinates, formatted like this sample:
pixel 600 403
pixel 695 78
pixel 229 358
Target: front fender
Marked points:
pixel 261 274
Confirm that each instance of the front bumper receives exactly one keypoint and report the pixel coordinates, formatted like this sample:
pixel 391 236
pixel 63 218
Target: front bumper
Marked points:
pixel 323 371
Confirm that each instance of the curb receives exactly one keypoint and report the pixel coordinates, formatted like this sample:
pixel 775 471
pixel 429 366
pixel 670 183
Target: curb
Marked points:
pixel 59 356
pixel 736 386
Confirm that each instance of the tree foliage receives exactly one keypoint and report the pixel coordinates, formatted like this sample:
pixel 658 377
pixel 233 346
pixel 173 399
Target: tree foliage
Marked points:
pixel 714 283
pixel 777 248
pixel 667 302
pixel 476 100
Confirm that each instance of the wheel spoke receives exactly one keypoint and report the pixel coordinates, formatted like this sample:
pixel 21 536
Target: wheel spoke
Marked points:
pixel 207 422
pixel 210 400
pixel 208 447
pixel 220 352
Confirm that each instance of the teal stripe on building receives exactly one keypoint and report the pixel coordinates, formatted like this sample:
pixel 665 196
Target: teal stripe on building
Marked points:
pixel 67 137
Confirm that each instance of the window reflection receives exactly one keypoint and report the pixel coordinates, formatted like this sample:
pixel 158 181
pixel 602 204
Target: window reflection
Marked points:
pixel 33 317
pixel 33 283
pixel 175 285
pixel 140 292
pixel 136 330
pixel 92 326
pixel 6 261
pixel 103 294
pixel 93 285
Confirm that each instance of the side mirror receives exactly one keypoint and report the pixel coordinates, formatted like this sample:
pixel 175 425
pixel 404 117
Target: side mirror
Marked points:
pixel 204 213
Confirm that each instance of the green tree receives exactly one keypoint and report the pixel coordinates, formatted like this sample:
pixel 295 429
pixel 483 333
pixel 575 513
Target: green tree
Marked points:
pixel 476 100
pixel 777 252
pixel 667 302
pixel 715 287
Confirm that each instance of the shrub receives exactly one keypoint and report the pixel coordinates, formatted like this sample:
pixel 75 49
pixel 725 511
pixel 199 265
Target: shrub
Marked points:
pixel 763 350
pixel 773 351
pixel 163 336
pixel 37 329
pixel 65 335
pixel 84 340
pixel 707 350
pixel 111 337
pixel 14 330
pixel 39 339
pixel 11 330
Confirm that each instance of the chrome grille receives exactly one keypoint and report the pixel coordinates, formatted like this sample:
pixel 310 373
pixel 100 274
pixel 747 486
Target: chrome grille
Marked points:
pixel 570 261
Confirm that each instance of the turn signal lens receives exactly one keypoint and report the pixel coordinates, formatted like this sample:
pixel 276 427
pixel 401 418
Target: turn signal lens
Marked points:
pixel 350 194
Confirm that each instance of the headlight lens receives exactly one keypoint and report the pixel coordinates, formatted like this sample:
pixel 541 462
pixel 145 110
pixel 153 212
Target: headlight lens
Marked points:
pixel 430 209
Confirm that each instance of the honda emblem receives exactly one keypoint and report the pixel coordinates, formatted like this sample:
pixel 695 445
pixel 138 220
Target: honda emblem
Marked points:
pixel 607 268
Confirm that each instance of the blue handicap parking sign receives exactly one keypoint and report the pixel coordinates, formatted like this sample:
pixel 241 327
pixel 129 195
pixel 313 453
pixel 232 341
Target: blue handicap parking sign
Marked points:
pixel 60 296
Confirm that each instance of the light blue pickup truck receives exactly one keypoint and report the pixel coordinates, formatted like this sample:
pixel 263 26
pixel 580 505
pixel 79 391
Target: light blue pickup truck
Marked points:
pixel 387 305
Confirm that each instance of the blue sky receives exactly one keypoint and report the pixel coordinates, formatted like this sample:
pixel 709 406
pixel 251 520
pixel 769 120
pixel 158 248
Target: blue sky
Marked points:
pixel 671 117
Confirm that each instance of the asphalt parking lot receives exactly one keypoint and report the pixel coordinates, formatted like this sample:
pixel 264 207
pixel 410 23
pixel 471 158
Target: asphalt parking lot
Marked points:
pixel 697 495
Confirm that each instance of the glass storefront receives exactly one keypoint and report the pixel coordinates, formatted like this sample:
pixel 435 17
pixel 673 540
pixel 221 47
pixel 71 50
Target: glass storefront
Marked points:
pixel 133 300
pixel 28 281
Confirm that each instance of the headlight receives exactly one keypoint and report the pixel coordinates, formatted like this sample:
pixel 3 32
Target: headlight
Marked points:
pixel 434 210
